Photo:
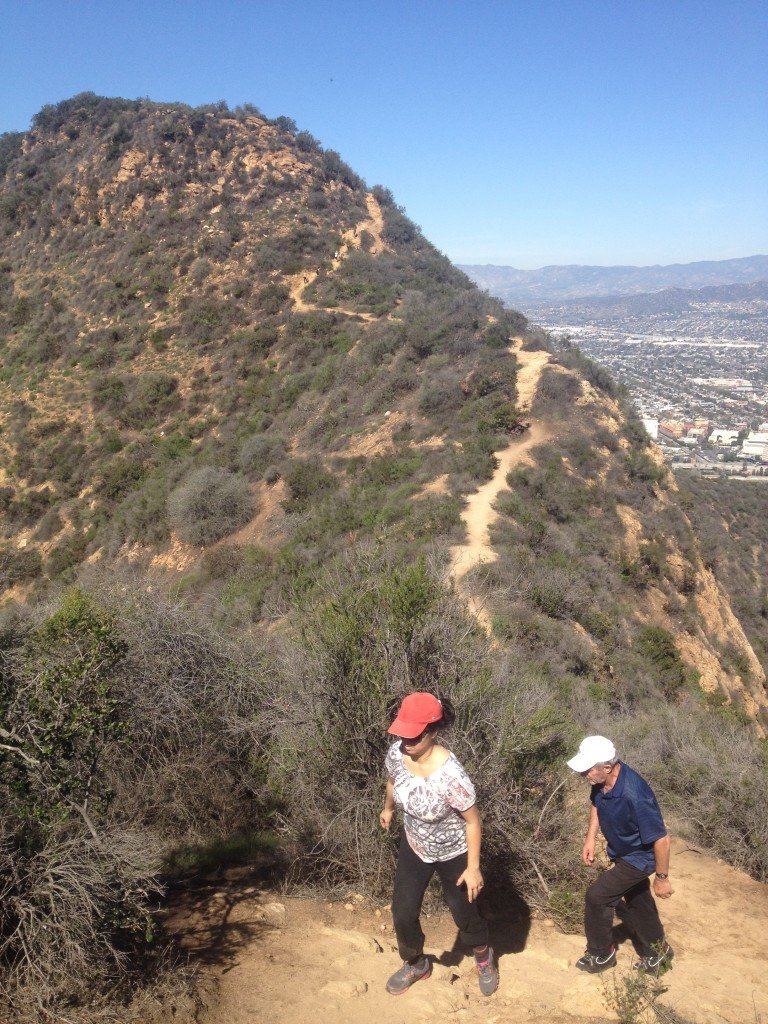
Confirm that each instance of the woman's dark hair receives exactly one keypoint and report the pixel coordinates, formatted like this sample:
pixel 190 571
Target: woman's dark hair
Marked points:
pixel 449 716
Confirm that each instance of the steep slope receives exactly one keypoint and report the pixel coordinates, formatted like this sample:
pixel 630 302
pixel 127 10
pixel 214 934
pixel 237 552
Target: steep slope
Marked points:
pixel 344 956
pixel 284 451
pixel 186 289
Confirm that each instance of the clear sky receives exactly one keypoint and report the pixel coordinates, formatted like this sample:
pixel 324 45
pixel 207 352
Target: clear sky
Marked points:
pixel 520 132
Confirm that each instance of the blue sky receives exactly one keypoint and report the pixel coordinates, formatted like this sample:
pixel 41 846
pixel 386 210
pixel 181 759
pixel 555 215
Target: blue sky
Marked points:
pixel 522 132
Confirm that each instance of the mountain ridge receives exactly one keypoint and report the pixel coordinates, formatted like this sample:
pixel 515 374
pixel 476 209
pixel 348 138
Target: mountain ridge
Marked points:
pixel 245 410
pixel 573 281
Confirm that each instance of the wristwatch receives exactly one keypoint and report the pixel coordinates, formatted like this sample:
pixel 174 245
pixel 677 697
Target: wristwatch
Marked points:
pixel 661 875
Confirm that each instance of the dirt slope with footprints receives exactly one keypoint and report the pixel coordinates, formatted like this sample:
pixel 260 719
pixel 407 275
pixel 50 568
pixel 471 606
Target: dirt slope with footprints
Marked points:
pixel 267 958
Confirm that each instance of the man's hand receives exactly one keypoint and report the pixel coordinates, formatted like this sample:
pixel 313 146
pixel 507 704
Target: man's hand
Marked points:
pixel 662 887
pixel 474 882
pixel 385 818
pixel 588 852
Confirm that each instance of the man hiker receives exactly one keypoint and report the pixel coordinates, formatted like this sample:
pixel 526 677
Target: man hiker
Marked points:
pixel 625 810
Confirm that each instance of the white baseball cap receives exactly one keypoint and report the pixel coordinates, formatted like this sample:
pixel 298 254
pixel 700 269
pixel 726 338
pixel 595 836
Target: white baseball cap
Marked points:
pixel 592 750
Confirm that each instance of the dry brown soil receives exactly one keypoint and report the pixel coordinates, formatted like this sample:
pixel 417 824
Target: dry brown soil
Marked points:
pixel 267 959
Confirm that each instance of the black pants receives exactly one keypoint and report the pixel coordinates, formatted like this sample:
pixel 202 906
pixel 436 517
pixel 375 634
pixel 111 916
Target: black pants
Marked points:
pixel 411 881
pixel 641 917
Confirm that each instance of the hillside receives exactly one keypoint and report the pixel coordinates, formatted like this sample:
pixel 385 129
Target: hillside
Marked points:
pixel 188 289
pixel 269 462
pixel 561 283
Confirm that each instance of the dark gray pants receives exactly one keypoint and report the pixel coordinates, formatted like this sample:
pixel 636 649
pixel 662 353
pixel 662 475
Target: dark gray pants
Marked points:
pixel 411 881
pixel 641 917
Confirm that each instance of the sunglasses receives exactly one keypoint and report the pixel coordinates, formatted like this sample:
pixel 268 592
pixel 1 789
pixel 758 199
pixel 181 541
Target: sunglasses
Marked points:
pixel 415 739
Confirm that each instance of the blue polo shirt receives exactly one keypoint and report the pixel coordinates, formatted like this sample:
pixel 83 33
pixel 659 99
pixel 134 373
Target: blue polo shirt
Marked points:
pixel 630 819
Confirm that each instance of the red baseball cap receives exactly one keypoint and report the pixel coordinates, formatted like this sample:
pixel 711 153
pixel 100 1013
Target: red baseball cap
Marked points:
pixel 417 711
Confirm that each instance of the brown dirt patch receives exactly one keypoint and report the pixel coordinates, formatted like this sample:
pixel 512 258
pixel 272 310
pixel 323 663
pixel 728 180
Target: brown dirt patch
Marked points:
pixel 265 958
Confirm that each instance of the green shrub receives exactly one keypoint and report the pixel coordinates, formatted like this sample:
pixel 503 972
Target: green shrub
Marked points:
pixel 307 482
pixel 658 646
pixel 260 452
pixel 18 565
pixel 208 505
pixel 556 390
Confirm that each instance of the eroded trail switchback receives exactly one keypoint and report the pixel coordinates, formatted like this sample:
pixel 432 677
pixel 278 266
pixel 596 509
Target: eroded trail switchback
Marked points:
pixel 479 512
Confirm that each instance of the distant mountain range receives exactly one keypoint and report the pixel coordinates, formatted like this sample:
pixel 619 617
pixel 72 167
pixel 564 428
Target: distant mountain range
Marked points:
pixel 524 287
pixel 741 301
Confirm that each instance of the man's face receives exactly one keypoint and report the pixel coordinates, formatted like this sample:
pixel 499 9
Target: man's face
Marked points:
pixel 597 774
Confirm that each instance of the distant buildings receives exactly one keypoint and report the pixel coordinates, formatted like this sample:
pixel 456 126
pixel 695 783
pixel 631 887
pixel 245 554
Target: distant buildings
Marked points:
pixel 755 446
pixel 652 427
pixel 724 437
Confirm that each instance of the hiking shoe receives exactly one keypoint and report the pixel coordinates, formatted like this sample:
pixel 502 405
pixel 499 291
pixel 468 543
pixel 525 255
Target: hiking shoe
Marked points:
pixel 408 975
pixel 655 963
pixel 593 964
pixel 487 973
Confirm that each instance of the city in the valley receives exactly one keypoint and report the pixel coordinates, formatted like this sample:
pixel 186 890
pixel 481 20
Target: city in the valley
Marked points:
pixel 698 374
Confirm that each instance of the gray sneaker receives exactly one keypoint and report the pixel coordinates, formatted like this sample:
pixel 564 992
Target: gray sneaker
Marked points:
pixel 488 973
pixel 408 975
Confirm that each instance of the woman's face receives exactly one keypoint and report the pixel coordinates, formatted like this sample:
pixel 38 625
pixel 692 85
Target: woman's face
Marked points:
pixel 419 745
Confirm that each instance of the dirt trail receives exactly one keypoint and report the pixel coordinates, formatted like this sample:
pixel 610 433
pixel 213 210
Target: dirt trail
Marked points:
pixel 374 225
pixel 270 959
pixel 479 513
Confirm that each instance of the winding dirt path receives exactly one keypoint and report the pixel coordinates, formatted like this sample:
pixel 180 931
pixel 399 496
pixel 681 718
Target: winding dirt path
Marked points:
pixel 374 225
pixel 479 513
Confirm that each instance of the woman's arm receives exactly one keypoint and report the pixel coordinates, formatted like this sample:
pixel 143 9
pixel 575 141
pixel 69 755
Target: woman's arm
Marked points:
pixel 472 877
pixel 385 818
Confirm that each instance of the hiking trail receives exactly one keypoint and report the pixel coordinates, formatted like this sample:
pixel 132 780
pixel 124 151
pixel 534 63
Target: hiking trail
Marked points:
pixel 374 225
pixel 479 513
pixel 268 959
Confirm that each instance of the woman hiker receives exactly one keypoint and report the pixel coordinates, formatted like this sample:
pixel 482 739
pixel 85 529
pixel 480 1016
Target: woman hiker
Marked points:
pixel 442 830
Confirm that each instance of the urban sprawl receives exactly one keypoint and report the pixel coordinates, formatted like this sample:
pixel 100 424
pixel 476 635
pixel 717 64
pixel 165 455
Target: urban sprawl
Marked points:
pixel 699 380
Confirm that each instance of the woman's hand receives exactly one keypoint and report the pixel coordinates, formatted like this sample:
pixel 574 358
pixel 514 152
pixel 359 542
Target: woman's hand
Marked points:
pixel 473 879
pixel 385 818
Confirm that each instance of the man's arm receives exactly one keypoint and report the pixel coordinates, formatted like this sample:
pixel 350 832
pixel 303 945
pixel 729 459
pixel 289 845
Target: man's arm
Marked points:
pixel 588 850
pixel 662 887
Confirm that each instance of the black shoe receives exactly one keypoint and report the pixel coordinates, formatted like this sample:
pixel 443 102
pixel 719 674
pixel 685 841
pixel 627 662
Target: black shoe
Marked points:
pixel 655 963
pixel 593 964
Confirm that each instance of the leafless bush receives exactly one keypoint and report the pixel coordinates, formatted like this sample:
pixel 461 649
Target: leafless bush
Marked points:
pixel 210 504
pixel 129 728
pixel 710 772
pixel 54 937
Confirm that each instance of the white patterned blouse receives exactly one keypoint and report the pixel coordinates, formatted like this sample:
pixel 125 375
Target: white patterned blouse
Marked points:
pixel 431 806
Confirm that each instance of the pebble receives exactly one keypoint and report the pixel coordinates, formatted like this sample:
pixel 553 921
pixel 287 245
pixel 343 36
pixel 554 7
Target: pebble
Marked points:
pixel 349 906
